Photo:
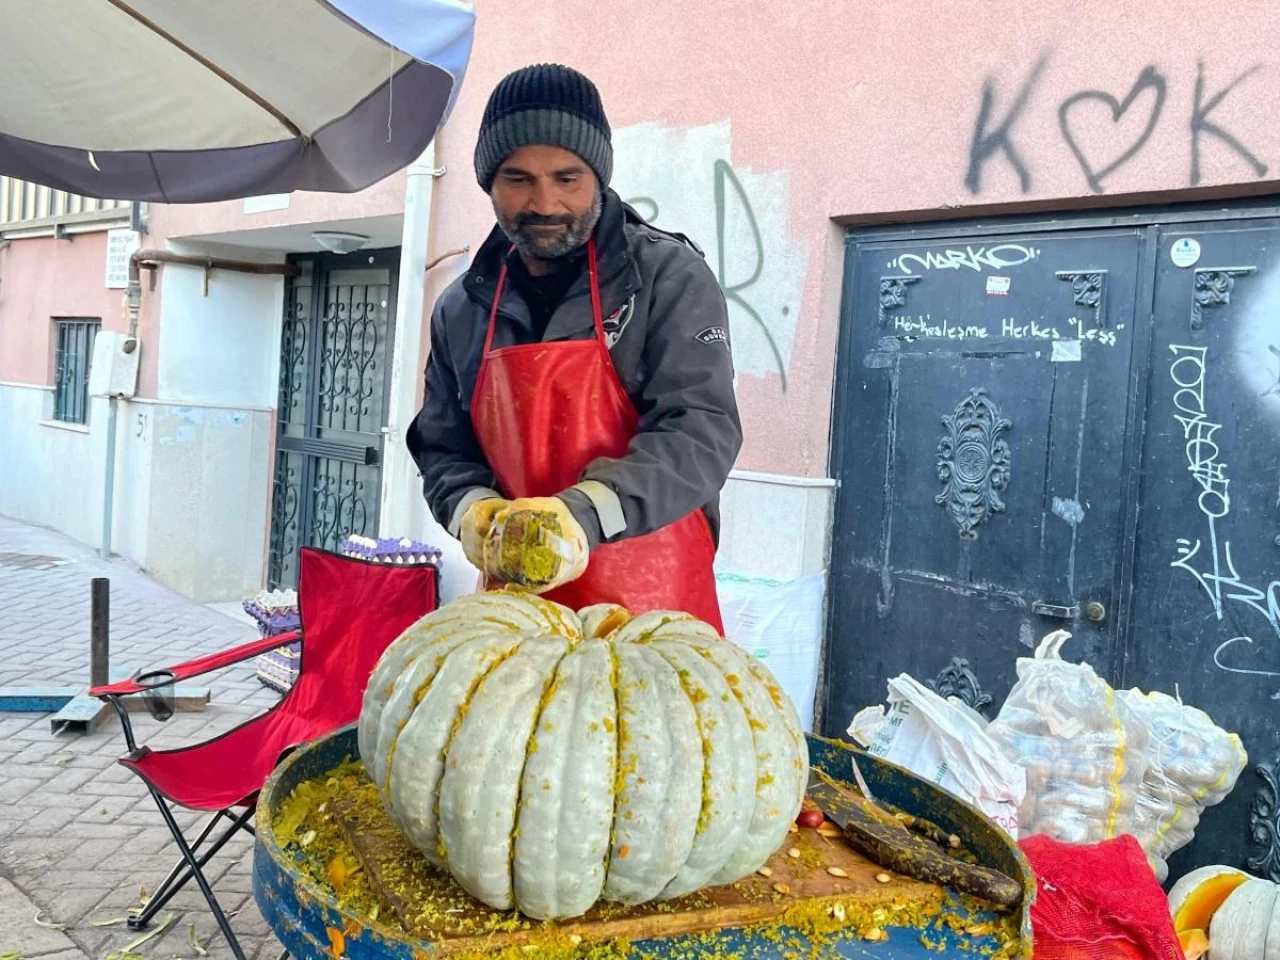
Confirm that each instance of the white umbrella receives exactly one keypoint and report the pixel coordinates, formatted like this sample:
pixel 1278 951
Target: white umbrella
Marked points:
pixel 187 101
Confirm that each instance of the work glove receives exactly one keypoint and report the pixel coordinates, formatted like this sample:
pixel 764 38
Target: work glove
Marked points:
pixel 475 525
pixel 535 544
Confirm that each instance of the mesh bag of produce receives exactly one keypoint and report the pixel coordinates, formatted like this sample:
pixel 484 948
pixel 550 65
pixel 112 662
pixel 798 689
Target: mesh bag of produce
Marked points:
pixel 1084 750
pixel 1098 902
pixel 1192 764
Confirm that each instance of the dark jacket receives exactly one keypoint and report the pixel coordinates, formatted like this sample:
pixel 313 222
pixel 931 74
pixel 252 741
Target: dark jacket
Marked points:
pixel 667 320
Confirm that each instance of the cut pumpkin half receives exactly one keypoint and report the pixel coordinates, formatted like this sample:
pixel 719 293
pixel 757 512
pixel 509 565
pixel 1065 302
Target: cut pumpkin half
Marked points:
pixel 1196 897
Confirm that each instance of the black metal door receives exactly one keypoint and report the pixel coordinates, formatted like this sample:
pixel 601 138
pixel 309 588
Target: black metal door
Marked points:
pixel 980 454
pixel 1206 612
pixel 335 351
pixel 992 488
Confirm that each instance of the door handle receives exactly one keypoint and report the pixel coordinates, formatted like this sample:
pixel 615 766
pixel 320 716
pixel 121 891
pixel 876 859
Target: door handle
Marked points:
pixel 1094 610
pixel 1058 611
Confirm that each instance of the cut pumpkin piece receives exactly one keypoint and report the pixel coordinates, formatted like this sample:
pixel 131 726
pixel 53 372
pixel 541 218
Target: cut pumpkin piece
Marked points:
pixel 1194 943
pixel 1196 897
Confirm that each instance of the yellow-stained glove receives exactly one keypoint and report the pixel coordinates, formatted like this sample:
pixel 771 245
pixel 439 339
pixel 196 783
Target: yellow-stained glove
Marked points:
pixel 535 544
pixel 475 525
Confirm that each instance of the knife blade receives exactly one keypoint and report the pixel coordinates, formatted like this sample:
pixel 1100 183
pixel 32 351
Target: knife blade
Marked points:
pixel 884 839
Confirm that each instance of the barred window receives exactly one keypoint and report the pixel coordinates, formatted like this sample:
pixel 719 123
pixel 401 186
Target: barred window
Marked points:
pixel 71 374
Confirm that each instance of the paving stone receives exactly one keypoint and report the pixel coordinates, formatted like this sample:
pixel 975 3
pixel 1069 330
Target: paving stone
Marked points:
pixel 78 832
pixel 19 932
pixel 68 906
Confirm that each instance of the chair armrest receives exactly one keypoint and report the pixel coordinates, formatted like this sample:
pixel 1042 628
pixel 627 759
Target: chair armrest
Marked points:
pixel 201 665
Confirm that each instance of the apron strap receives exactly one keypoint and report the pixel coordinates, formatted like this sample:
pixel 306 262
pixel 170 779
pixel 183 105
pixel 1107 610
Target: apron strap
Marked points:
pixel 493 312
pixel 593 278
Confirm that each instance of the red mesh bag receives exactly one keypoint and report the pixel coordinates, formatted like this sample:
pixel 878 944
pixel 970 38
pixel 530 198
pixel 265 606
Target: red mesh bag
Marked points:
pixel 1098 902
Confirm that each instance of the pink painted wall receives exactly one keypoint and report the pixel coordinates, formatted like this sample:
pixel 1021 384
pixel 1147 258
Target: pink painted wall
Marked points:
pixel 869 109
pixel 831 113
pixel 42 279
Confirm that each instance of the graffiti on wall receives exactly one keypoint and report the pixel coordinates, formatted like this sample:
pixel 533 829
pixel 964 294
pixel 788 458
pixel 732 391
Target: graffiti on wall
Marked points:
pixel 1208 558
pixel 1104 130
pixel 683 179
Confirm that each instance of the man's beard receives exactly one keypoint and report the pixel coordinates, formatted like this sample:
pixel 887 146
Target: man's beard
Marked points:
pixel 551 245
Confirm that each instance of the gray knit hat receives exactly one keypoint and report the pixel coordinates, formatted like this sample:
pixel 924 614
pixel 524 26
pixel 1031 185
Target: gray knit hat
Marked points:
pixel 544 104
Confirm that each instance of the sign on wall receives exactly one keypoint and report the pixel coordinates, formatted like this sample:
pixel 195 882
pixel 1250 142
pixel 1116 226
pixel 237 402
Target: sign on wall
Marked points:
pixel 121 245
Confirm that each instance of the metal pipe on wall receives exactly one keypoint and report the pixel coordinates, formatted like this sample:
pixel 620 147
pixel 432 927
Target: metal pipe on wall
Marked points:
pixel 402 511
pixel 109 484
pixel 150 259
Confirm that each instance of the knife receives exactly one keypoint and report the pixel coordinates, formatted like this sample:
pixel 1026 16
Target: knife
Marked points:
pixel 884 839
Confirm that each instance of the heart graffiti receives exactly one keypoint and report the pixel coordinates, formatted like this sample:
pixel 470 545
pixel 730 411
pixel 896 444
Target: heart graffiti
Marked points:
pixel 1149 79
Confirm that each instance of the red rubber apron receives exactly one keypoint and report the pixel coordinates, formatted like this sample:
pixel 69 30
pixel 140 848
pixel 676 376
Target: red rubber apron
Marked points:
pixel 542 412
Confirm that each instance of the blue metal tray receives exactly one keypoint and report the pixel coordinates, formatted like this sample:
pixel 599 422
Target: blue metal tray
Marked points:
pixel 301 913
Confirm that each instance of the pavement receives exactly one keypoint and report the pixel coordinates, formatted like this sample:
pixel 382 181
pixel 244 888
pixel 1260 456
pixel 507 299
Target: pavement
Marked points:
pixel 80 838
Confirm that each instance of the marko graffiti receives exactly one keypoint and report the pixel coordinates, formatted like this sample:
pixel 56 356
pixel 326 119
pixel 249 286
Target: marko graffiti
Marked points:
pixel 995 133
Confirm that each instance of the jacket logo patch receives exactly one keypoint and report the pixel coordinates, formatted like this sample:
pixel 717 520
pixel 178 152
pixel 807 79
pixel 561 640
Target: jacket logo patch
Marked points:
pixel 617 321
pixel 714 335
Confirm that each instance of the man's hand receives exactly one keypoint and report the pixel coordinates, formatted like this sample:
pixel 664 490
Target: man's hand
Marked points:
pixel 475 526
pixel 535 543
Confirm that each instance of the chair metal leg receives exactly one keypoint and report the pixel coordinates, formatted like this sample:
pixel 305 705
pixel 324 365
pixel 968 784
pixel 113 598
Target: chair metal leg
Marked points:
pixel 166 890
pixel 181 872
pixel 194 865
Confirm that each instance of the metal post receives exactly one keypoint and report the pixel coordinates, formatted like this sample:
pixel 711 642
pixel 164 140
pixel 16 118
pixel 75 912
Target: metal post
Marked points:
pixel 99 632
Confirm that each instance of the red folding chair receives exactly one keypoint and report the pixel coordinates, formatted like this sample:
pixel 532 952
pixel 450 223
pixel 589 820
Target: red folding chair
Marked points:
pixel 351 611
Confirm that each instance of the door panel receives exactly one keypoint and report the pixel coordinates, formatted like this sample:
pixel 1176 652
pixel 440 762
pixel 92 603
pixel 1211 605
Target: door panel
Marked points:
pixel 980 454
pixel 1206 614
pixel 995 483
pixel 335 353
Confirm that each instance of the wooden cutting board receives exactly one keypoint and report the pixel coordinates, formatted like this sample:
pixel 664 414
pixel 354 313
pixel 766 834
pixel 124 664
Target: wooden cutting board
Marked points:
pixel 431 907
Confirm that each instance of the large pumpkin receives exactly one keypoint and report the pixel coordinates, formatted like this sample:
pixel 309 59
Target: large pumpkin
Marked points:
pixel 1247 925
pixel 548 760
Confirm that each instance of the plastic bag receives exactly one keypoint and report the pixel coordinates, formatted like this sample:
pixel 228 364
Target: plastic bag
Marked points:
pixel 781 623
pixel 1083 749
pixel 944 744
pixel 866 724
pixel 1194 764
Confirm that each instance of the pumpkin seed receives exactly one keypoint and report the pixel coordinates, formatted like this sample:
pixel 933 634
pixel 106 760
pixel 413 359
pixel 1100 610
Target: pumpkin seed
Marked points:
pixel 883 877
pixel 765 872
pixel 953 842
pixel 782 888
pixel 794 853
pixel 837 871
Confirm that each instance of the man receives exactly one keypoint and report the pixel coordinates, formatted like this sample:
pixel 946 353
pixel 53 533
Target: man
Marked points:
pixel 579 392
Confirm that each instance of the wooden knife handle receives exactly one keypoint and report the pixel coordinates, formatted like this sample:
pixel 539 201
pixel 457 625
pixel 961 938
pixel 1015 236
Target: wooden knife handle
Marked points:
pixel 888 842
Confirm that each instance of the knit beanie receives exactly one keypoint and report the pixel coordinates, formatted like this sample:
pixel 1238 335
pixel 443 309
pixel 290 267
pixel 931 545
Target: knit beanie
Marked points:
pixel 544 104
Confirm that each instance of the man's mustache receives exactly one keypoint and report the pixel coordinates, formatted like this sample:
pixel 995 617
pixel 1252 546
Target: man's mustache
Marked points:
pixel 542 220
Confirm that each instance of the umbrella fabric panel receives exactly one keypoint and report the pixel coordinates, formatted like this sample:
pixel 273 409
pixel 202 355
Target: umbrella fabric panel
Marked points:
pixel 121 85
pixel 191 102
